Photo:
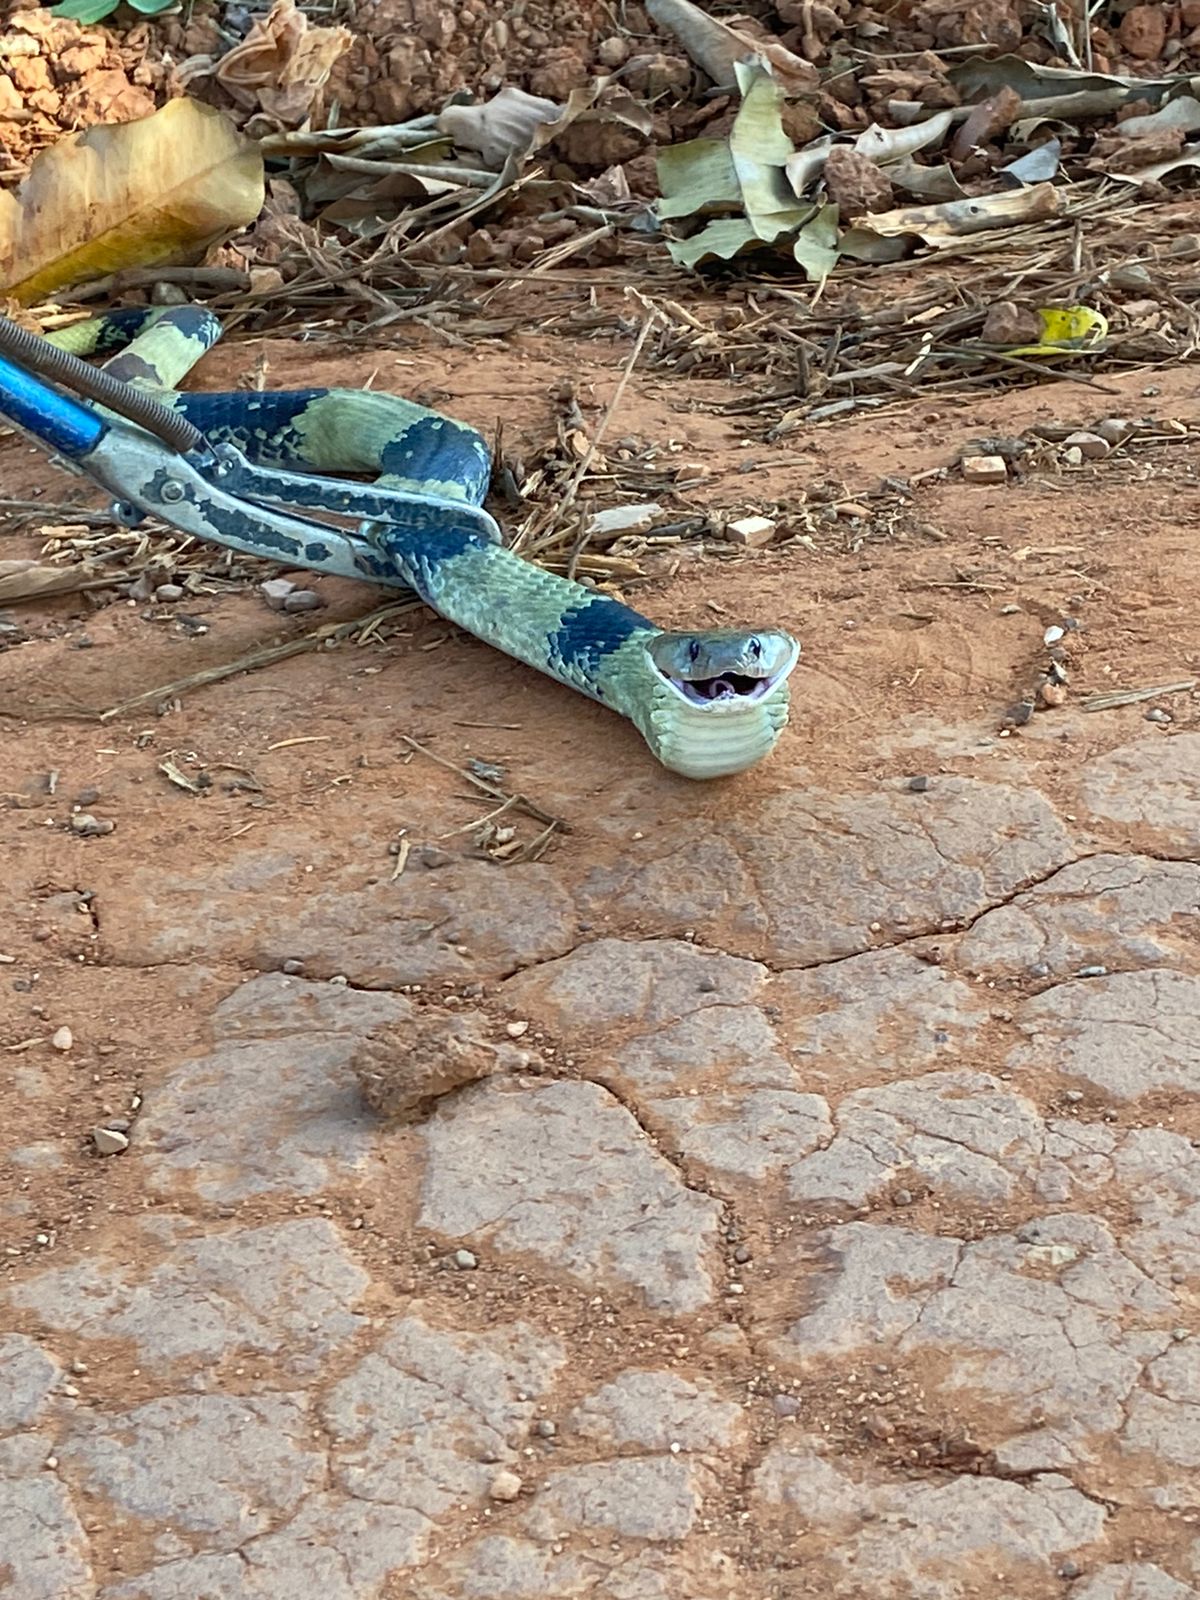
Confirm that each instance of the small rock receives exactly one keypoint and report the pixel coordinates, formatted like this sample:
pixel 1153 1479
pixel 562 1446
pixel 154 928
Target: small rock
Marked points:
pixel 1144 32
pixel 753 532
pixel 1113 429
pixel 1074 1096
pixel 919 784
pixel 546 1429
pixel 432 858
pixel 1010 324
pixel 292 968
pixel 742 1254
pixel 505 1486
pixel 1070 1569
pixel 1053 634
pixel 625 519
pixel 514 1030
pixel 87 797
pixel 1091 446
pixel 986 119
pixel 1092 972
pixel 902 1197
pixel 303 600
pixel 1053 694
pixel 855 184
pixel 1072 455
pixel 62 1038
pixel 1157 714
pixel 877 1426
pixel 276 590
pixel 109 1141
pixel 652 75
pixel 612 52
pixel 785 1405
pixel 168 592
pixel 90 827
pixel 984 469
pixel 465 1260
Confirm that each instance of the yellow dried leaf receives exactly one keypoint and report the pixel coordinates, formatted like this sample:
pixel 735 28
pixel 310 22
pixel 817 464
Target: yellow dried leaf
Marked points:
pixel 134 194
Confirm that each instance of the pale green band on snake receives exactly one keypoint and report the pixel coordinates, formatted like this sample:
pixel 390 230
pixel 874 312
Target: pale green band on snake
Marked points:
pixel 708 703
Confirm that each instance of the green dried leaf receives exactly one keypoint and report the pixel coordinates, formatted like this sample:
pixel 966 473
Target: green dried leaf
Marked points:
pixel 744 174
pixel 817 246
pixel 720 241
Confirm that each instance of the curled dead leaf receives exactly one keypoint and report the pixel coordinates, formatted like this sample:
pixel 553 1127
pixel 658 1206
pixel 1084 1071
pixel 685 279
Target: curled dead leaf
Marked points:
pixel 283 64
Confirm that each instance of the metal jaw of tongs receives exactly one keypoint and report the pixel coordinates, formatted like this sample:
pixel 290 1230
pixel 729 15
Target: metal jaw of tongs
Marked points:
pixel 153 461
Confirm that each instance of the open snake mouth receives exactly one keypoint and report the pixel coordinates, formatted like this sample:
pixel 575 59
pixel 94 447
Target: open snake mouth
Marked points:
pixel 728 691
pixel 725 689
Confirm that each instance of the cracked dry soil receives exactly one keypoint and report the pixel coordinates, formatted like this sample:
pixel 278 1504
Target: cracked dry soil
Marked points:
pixel 805 1196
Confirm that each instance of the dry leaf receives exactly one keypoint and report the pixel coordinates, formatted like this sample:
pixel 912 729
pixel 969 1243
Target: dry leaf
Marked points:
pixel 717 48
pixel 504 126
pixel 282 64
pixel 162 189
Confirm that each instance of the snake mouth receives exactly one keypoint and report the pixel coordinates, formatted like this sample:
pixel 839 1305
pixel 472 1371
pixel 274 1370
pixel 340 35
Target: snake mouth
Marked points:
pixel 726 692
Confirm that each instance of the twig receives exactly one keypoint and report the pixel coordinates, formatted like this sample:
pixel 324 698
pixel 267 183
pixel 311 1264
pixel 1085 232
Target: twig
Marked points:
pixel 1129 697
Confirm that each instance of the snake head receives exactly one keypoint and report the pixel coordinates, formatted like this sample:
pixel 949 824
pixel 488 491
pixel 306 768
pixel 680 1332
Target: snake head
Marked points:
pixel 723 669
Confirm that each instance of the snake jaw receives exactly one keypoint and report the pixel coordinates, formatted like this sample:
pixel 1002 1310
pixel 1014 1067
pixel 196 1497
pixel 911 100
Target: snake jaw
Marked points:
pixel 724 671
pixel 719 709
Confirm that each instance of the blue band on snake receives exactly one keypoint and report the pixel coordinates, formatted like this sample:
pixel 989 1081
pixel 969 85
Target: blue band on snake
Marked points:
pixel 708 703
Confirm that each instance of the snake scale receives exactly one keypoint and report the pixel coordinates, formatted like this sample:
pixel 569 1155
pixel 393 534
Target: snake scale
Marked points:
pixel 708 703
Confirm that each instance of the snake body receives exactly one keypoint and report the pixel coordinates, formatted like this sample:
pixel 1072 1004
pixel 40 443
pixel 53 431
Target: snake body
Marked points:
pixel 708 703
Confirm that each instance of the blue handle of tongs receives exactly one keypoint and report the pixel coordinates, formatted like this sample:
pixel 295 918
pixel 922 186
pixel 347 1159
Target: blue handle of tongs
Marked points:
pixel 62 424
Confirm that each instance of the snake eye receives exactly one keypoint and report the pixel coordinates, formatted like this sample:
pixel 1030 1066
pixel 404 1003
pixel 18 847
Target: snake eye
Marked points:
pixel 755 648
pixel 694 650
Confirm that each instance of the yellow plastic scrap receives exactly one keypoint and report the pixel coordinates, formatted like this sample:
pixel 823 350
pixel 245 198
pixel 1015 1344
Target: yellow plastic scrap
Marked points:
pixel 1075 330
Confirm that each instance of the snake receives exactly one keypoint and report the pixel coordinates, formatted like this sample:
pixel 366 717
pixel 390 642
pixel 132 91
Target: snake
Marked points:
pixel 708 702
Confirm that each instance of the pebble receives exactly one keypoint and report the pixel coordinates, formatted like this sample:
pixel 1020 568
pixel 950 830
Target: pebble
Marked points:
pixel 742 1254
pixel 1070 1569
pixel 1074 1096
pixel 90 827
pixel 465 1260
pixel 62 1038
pixel 625 519
pixel 546 1429
pixel 753 532
pixel 292 968
pixel 303 600
pixel 505 1486
pixel 785 1405
pixel 984 469
pixel 1157 714
pixel 276 590
pixel 1092 972
pixel 1091 446
pixel 1113 429
pixel 1052 694
pixel 919 784
pixel 87 797
pixel 168 592
pixel 109 1142
pixel 514 1030
pixel 902 1197
pixel 431 857
pixel 1039 969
